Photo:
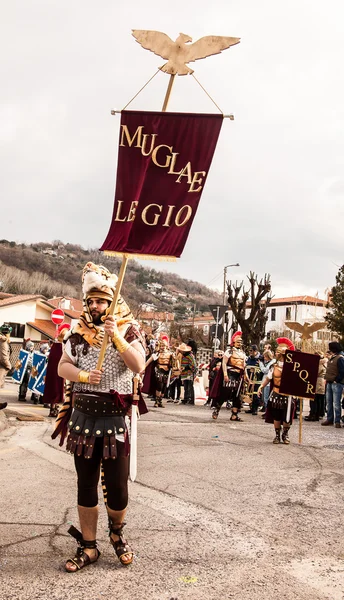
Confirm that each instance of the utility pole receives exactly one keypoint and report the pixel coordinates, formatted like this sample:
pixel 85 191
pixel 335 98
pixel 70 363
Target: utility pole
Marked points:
pixel 225 280
pixel 225 333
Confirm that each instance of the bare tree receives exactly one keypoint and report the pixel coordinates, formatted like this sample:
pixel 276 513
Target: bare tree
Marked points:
pixel 253 303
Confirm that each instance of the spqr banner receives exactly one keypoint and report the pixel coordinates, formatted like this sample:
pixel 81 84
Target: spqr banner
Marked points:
pixel 163 163
pixel 299 375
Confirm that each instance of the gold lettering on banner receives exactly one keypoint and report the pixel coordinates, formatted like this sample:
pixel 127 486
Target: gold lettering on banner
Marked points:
pixel 171 208
pixel 168 157
pixel 138 133
pixel 117 218
pixel 143 149
pixel 179 215
pixel 310 388
pixel 288 358
pixel 296 366
pixel 195 180
pixel 304 377
pixel 139 139
pixel 156 215
pixel 173 164
pixel 132 211
pixel 186 172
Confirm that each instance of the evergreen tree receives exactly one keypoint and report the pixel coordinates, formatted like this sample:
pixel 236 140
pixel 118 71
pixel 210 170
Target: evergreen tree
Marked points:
pixel 335 316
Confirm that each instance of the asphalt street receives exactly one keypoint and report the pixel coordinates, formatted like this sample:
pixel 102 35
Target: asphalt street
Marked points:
pixel 217 511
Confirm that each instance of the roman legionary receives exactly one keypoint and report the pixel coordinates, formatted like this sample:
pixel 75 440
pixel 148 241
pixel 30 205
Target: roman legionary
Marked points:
pixel 277 406
pixel 54 384
pixel 101 399
pixel 228 383
pixel 159 375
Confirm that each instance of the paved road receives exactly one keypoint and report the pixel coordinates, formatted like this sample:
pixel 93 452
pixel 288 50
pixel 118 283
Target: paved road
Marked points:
pixel 217 512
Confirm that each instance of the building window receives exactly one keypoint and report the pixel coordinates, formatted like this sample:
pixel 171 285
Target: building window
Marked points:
pixel 273 314
pixel 288 313
pixel 18 330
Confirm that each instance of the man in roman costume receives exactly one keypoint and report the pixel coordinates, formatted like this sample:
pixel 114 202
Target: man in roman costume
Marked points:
pixel 162 363
pixel 228 384
pixel 276 411
pixel 101 399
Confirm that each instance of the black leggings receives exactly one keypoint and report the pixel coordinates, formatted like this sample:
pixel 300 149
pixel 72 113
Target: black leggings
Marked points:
pixel 115 475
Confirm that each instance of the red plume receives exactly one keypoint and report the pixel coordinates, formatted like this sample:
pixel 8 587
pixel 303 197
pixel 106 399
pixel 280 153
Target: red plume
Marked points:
pixel 235 336
pixel 62 327
pixel 286 341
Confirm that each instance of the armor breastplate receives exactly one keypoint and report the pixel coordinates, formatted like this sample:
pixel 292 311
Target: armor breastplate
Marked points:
pixel 237 359
pixel 276 376
pixel 164 360
pixel 116 375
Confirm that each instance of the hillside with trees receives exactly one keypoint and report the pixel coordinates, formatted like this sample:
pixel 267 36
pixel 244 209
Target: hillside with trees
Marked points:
pixel 55 270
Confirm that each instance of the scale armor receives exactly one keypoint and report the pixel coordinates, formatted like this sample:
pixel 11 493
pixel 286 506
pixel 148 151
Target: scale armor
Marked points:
pixel 116 375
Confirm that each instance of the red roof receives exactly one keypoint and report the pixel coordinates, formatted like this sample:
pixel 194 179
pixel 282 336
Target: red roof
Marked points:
pixel 16 299
pixel 44 326
pixel 73 312
pixel 75 303
pixel 156 316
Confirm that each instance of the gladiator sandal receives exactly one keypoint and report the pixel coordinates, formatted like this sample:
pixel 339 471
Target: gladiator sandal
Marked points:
pixel 156 404
pixel 81 558
pixel 285 435
pixel 235 417
pixel 121 546
pixel 277 439
pixel 215 413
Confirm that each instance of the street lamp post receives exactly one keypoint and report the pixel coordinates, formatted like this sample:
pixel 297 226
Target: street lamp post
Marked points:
pixel 225 279
pixel 225 333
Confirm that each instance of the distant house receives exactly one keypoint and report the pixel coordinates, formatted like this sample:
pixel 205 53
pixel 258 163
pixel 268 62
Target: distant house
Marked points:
pixel 148 307
pixel 29 315
pixel 153 321
pixel 301 309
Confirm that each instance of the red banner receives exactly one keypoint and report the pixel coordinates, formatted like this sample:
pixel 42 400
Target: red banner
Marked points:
pixel 299 374
pixel 163 163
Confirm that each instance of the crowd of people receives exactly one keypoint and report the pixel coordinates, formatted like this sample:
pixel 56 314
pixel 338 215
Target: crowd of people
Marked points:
pixel 244 383
pixel 98 359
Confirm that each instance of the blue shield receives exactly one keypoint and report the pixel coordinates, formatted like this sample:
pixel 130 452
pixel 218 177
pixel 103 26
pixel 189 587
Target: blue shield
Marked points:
pixel 20 366
pixel 40 382
pixel 38 363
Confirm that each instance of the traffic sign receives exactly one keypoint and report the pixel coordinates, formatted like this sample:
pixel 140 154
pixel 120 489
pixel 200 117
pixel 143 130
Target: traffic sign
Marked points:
pixel 57 316
pixel 219 330
pixel 218 310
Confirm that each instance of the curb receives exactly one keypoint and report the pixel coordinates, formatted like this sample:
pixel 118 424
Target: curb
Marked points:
pixel 3 421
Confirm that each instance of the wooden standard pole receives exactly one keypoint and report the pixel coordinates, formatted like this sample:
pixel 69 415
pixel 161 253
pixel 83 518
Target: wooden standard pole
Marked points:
pixel 300 420
pixel 168 93
pixel 125 256
pixel 113 307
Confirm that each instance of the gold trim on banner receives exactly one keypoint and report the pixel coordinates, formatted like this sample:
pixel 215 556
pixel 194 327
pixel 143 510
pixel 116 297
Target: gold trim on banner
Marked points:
pixel 141 256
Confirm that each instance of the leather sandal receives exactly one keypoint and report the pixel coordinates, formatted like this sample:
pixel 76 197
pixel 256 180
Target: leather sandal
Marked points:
pixel 81 558
pixel 235 417
pixel 121 546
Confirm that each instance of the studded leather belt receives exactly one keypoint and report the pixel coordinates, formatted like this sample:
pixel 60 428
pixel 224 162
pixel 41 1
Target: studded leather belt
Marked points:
pixel 97 406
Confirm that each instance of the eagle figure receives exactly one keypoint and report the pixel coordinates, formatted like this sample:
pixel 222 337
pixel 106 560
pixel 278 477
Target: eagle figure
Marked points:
pixel 306 329
pixel 180 52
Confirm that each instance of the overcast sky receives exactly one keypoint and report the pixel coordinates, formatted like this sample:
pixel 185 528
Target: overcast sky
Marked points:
pixel 273 200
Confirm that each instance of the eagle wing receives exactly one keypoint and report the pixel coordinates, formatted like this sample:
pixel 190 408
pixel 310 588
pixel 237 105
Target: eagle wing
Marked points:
pixel 316 327
pixel 159 43
pixel 294 326
pixel 208 45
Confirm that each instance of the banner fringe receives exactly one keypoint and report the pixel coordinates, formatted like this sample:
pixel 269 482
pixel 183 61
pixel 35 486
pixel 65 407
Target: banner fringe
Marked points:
pixel 140 256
